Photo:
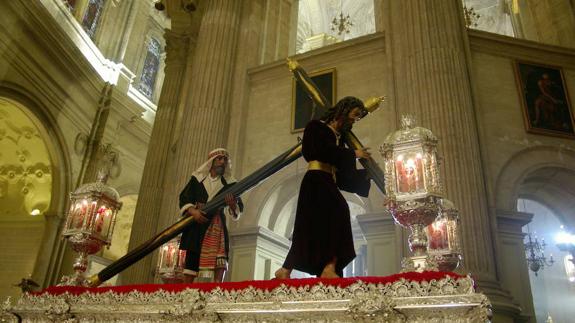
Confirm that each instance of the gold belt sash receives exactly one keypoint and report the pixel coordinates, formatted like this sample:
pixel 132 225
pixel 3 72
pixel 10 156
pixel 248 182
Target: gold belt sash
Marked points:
pixel 325 167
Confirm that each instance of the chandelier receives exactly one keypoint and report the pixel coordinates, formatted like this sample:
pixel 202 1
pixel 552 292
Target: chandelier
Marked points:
pixel 536 259
pixel 341 24
pixel 471 17
pixel 188 6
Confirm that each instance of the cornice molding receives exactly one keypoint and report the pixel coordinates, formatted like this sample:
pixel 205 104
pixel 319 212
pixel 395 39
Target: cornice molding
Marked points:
pixel 322 58
pixel 68 47
pixel 253 234
pixel 521 49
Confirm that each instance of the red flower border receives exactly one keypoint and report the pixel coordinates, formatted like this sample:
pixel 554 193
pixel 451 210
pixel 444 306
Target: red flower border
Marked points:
pixel 258 284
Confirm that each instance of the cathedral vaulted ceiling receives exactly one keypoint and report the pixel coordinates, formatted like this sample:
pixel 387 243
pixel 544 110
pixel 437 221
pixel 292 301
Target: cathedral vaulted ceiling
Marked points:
pixel 315 17
pixel 25 167
pixel 494 15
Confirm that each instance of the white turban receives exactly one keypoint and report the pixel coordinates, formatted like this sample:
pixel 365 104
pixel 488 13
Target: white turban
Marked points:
pixel 203 171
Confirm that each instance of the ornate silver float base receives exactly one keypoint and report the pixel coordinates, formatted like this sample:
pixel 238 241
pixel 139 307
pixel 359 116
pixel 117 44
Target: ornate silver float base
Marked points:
pixel 444 300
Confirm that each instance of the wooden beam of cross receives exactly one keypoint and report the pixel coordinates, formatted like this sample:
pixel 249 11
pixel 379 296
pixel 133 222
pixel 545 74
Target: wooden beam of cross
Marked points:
pixel 239 188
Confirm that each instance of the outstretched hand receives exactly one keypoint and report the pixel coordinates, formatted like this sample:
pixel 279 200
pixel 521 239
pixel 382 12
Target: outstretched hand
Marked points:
pixel 362 153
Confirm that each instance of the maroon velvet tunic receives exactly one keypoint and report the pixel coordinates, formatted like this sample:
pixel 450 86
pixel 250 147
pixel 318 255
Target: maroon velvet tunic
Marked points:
pixel 322 228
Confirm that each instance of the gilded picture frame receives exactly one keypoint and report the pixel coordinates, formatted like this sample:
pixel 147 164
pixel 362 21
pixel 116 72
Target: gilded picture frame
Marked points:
pixel 544 99
pixel 303 108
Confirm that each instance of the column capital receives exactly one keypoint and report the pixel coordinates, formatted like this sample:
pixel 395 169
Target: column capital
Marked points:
pixel 177 45
pixel 250 236
pixel 512 221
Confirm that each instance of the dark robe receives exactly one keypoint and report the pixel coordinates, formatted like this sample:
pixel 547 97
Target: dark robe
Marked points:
pixel 322 228
pixel 193 236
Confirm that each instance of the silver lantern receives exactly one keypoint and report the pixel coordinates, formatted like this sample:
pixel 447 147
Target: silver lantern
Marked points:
pixel 413 186
pixel 443 237
pixel 90 223
pixel 171 261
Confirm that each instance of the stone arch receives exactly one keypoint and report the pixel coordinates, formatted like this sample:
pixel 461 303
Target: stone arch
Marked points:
pixel 277 204
pixel 129 188
pixel 554 188
pixel 276 197
pixel 543 174
pixel 45 269
pixel 57 148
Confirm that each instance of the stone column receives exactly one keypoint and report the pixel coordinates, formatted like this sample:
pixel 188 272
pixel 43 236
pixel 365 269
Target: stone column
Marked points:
pixel 551 21
pixel 205 113
pixel 48 262
pixel 279 34
pixel 430 57
pixel 511 258
pixel 200 92
pixel 148 209
pixel 255 253
pixel 379 8
pixel 384 244
pixel 205 116
pixel 92 160
pixel 117 24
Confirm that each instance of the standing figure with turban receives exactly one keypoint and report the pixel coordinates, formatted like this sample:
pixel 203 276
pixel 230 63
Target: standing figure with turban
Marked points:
pixel 206 240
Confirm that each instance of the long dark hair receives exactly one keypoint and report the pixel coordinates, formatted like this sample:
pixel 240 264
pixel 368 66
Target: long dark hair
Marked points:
pixel 342 108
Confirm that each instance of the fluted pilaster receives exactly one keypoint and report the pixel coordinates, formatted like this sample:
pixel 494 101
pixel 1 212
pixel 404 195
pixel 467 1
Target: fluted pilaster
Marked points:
pixel 205 114
pixel 148 209
pixel 432 82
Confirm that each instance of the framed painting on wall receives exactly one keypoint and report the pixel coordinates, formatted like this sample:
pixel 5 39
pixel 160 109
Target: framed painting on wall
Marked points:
pixel 303 107
pixel 544 99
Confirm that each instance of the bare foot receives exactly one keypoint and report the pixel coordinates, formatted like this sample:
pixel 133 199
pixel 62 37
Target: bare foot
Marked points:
pixel 328 274
pixel 329 271
pixel 283 273
pixel 188 279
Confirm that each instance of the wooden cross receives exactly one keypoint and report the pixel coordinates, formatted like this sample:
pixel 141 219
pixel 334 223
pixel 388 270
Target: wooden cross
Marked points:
pixel 246 183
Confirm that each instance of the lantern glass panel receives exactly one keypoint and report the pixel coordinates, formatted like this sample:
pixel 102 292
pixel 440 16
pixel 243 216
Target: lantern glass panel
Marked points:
pixel 409 172
pixel 100 225
pixel 80 214
pixel 438 236
pixel 70 219
pixel 171 260
pixel 91 215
